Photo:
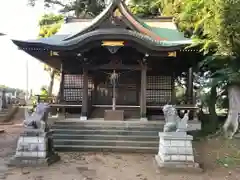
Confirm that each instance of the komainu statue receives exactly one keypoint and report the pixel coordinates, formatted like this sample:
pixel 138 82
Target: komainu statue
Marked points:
pixel 173 122
pixel 36 120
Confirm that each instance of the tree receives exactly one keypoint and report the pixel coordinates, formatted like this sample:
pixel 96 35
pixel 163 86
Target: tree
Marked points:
pixel 49 25
pixel 214 25
pixel 78 7
pixel 144 8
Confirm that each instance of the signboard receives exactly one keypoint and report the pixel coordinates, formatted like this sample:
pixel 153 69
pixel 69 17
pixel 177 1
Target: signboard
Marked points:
pixel 54 53
pixel 172 54
pixel 112 43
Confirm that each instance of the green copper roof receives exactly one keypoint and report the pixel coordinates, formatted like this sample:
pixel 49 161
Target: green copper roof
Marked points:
pixel 148 36
pixel 168 34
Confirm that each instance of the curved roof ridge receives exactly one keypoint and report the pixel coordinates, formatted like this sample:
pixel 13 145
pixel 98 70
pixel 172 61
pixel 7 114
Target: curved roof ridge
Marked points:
pixel 140 26
pixel 97 20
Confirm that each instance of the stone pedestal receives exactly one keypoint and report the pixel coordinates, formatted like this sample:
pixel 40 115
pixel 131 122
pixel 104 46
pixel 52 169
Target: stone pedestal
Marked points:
pixel 34 148
pixel 117 115
pixel 83 118
pixel 175 150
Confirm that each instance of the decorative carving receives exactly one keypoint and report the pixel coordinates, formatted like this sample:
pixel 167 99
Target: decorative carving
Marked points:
pixel 113 49
pixel 117 13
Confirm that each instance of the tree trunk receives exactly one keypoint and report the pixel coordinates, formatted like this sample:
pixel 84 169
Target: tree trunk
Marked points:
pixel 59 94
pixel 212 124
pixel 50 87
pixel 233 111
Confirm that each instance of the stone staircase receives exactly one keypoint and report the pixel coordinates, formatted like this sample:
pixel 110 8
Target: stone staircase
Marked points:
pixel 7 114
pixel 115 136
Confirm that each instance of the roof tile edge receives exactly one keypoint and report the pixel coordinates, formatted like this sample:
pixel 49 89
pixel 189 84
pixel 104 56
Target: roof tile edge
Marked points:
pixel 157 19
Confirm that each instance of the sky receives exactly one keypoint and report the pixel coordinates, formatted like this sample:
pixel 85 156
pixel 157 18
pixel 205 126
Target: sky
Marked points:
pixel 20 21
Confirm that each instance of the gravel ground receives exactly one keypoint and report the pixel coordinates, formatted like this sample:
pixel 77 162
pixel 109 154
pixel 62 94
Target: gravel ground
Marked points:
pixel 104 166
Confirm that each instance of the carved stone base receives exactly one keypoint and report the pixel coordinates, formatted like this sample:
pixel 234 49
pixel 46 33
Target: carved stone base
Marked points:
pixel 175 150
pixel 34 148
pixel 117 115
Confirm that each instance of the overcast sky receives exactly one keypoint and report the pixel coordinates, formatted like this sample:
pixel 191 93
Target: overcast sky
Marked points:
pixel 19 21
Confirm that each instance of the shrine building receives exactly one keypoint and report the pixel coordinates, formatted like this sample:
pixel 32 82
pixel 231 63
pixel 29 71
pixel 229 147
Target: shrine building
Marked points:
pixel 146 55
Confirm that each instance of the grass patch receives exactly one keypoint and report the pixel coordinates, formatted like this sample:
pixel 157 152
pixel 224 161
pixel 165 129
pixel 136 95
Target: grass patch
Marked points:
pixel 229 154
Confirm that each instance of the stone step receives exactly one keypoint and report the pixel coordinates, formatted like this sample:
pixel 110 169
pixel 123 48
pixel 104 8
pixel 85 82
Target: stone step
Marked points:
pixel 7 114
pixel 4 110
pixel 110 127
pixel 110 123
pixel 105 137
pixel 106 132
pixel 119 143
pixel 125 149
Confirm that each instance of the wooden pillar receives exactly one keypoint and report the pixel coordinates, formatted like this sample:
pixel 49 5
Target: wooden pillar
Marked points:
pixel 143 100
pixel 61 92
pixel 173 93
pixel 85 96
pixel 189 92
pixel 95 92
pixel 138 90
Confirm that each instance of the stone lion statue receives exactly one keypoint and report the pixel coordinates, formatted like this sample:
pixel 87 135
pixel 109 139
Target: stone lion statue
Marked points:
pixel 173 122
pixel 37 118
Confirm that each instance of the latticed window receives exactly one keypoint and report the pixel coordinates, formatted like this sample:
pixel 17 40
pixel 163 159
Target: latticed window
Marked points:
pixel 73 87
pixel 159 89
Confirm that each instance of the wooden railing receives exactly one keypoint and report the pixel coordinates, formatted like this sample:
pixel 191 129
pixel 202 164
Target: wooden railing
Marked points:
pixel 49 99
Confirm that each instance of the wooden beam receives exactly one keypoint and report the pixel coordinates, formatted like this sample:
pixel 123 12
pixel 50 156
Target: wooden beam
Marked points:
pixel 116 67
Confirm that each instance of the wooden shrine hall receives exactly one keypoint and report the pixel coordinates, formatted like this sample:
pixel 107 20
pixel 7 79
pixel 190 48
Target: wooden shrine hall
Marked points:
pixel 117 59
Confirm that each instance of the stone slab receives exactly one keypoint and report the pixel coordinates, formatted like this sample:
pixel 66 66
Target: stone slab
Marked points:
pixel 188 166
pixel 36 133
pixel 83 118
pixel 6 123
pixel 175 136
pixel 115 115
pixel 175 150
pixel 33 161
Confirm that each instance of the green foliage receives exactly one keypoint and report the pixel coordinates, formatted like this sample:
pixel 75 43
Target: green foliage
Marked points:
pixel 144 8
pixel 49 25
pixel 78 7
pixel 149 8
pixel 49 30
pixel 49 19
pixel 230 159
pixel 10 90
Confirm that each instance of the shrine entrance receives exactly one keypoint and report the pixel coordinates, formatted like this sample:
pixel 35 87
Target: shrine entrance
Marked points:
pixel 117 90
pixel 126 88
